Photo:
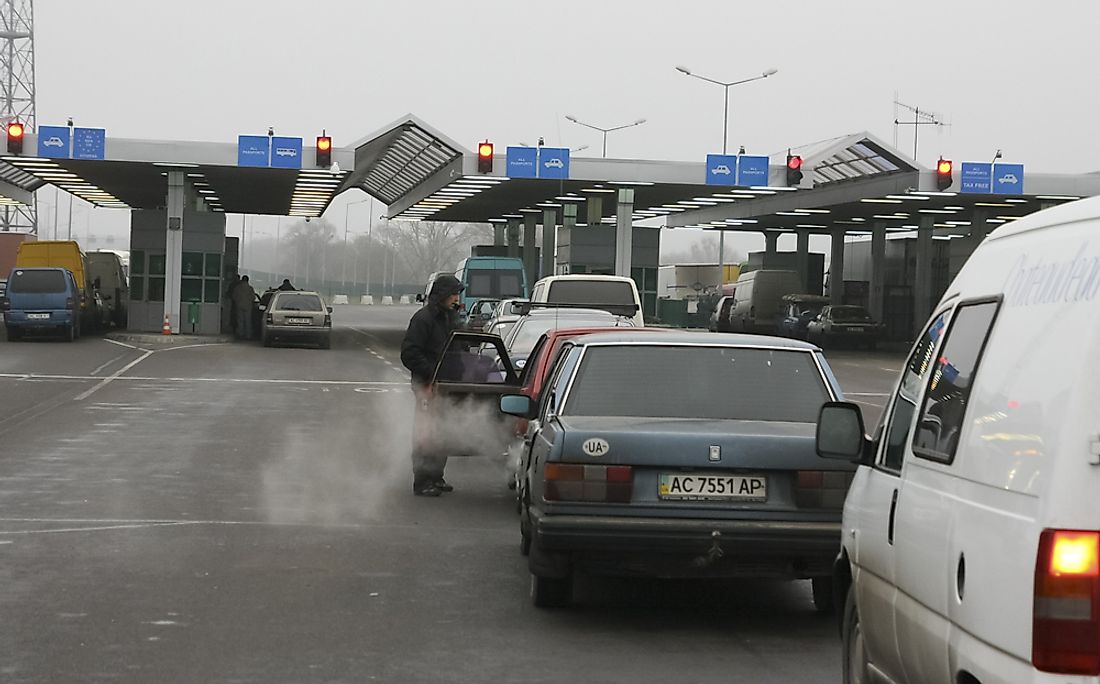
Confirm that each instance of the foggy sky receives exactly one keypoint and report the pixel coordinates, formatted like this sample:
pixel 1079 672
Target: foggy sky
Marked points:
pixel 1012 75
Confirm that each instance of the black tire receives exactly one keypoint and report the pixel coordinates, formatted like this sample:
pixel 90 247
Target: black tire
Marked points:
pixel 853 654
pixel 551 592
pixel 823 593
pixel 524 537
pixel 71 333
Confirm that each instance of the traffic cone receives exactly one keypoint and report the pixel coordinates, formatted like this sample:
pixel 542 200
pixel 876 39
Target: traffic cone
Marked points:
pixel 167 329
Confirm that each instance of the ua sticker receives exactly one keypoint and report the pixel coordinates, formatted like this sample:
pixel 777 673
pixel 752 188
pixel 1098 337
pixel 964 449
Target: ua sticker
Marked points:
pixel 595 447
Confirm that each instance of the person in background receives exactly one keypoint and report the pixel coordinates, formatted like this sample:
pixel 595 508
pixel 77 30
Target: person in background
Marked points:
pixel 425 338
pixel 234 283
pixel 244 298
pixel 286 286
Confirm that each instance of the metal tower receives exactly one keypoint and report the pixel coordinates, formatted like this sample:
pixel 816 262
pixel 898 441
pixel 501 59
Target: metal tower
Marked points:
pixel 17 90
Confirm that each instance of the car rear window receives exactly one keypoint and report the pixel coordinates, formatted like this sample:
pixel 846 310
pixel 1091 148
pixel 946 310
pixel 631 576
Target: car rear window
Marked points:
pixel 37 282
pixel 849 313
pixel 532 329
pixel 590 292
pixel 716 383
pixel 298 302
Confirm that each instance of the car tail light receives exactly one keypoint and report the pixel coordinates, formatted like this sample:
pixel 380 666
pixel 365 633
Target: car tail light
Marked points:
pixel 595 483
pixel 270 319
pixel 1065 631
pixel 328 320
pixel 821 488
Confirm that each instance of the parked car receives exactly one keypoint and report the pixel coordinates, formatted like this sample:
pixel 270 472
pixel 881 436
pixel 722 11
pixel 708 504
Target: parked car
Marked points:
pixel 720 317
pixel 758 300
pixel 529 328
pixel 296 316
pixel 844 325
pixel 971 544
pixel 670 472
pixel 799 310
pixel 42 300
pixel 593 291
pixel 480 313
pixel 503 317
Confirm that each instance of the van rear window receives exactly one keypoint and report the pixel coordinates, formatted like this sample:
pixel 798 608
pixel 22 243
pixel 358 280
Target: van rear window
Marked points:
pixel 590 292
pixel 37 282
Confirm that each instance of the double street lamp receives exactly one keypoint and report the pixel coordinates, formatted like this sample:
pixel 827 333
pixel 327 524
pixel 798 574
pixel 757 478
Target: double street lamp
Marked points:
pixel 605 131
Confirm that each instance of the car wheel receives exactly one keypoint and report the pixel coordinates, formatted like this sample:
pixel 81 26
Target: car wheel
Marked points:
pixel 823 594
pixel 854 655
pixel 551 592
pixel 71 333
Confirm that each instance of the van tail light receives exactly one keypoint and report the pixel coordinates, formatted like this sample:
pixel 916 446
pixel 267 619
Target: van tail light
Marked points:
pixel 69 303
pixel 1065 632
pixel 821 488
pixel 328 320
pixel 271 319
pixel 592 483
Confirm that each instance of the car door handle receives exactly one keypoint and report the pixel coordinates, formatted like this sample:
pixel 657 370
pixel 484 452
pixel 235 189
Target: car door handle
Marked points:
pixel 893 514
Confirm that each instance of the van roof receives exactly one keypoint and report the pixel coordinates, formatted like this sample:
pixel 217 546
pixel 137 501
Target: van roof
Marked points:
pixel 584 276
pixel 1070 212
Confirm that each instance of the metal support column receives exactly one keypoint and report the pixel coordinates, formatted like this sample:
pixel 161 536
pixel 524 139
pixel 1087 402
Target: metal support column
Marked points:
pixel 802 258
pixel 922 289
pixel 595 209
pixel 771 245
pixel 549 241
pixel 498 235
pixel 624 231
pixel 530 253
pixel 836 267
pixel 877 295
pixel 513 238
pixel 173 248
pixel 568 223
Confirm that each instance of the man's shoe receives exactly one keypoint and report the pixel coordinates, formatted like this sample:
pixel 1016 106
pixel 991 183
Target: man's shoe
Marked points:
pixel 428 490
pixel 442 485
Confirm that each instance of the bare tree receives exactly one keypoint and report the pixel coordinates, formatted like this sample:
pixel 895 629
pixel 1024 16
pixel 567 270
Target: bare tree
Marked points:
pixel 429 246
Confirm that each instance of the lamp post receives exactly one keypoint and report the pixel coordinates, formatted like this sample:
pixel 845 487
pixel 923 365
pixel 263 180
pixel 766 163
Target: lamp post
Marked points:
pixel 605 131
pixel 726 85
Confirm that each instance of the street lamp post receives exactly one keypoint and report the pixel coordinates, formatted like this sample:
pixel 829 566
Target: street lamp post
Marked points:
pixel 605 131
pixel 726 85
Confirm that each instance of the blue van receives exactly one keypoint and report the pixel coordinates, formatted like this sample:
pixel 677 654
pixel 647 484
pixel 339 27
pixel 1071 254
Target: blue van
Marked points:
pixel 41 300
pixel 486 277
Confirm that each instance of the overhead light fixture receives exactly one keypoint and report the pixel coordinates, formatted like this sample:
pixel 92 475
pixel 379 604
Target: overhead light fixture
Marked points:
pixel 176 165
pixel 992 204
pixel 908 197
pixel 1057 197
pixel 815 211
pixel 1016 200
pixel 938 211
pixel 879 200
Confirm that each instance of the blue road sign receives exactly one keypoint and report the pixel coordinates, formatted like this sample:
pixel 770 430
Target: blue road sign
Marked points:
pixel 1008 179
pixel 523 162
pixel 722 169
pixel 554 163
pixel 977 177
pixel 286 153
pixel 252 150
pixel 53 142
pixel 752 170
pixel 89 143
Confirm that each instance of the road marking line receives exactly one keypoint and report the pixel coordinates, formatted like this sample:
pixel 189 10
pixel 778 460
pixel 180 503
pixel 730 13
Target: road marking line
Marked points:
pixel 123 344
pixel 96 371
pixel 866 394
pixel 141 378
pixel 111 378
pixel 869 403
pixel 193 346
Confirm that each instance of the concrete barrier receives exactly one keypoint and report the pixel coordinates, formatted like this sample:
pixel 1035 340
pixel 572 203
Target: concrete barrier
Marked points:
pixel 367 300
pixel 340 299
pixel 405 299
pixel 387 300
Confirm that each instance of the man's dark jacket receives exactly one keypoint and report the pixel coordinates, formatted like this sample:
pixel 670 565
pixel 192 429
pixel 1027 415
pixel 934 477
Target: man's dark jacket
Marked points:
pixel 429 329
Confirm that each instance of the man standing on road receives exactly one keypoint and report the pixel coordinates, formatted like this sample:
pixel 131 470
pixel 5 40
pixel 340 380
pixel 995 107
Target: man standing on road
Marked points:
pixel 244 298
pixel 427 334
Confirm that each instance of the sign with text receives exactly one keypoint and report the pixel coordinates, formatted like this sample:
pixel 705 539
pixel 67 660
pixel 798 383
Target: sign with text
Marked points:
pixel 522 162
pixel 752 170
pixel 253 150
pixel 977 177
pixel 89 143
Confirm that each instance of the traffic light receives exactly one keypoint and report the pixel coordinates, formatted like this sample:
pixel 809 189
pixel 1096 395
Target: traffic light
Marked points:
pixel 485 157
pixel 943 173
pixel 324 151
pixel 15 137
pixel 794 169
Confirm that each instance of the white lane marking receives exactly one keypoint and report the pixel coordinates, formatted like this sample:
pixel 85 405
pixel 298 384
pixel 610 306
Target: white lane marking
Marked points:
pixel 123 344
pixel 869 403
pixel 194 346
pixel 6 541
pixel 99 528
pixel 120 356
pixel 111 378
pixel 139 378
pixel 866 394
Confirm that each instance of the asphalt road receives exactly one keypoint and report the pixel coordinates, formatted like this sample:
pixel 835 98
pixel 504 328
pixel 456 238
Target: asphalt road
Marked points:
pixel 229 513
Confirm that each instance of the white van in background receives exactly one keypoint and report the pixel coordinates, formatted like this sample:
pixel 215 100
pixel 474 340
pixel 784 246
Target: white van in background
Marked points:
pixel 758 300
pixel 971 533
pixel 421 298
pixel 596 291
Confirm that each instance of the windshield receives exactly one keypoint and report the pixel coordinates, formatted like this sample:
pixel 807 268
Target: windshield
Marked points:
pixel 715 383
pixel 529 330
pixel 37 282
pixel 298 302
pixel 593 292
pixel 849 313
pixel 494 283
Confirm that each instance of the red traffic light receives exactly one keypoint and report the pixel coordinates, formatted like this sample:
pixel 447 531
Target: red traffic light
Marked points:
pixel 794 162
pixel 944 167
pixel 15 137
pixel 324 151
pixel 485 157
pixel 324 143
pixel 15 130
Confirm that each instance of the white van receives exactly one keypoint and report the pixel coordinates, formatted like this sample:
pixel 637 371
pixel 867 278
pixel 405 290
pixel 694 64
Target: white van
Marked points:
pixel 596 291
pixel 758 300
pixel 421 298
pixel 971 533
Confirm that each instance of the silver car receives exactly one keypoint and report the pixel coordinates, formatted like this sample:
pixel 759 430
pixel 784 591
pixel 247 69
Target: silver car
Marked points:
pixel 298 316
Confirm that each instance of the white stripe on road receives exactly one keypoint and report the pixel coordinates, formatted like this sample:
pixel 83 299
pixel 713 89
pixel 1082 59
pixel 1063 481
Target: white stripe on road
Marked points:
pixel 84 395
pixel 120 356
pixel 139 378
pixel 123 344
pixel 866 394
pixel 869 403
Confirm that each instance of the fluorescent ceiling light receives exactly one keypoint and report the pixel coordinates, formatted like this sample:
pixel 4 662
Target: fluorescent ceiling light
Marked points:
pixel 907 197
pixel 930 193
pixel 938 211
pixel 630 183
pixel 814 211
pixel 1057 197
pixel 811 225
pixel 879 200
pixel 991 204
pixel 176 165
pixel 603 190
pixel 889 216
pixel 1016 200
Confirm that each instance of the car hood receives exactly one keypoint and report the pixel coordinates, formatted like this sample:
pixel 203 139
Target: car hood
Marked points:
pixel 688 443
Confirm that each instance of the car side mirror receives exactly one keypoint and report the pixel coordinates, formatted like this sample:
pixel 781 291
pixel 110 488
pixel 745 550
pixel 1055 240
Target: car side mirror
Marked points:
pixel 840 432
pixel 263 307
pixel 419 299
pixel 517 405
pixel 329 309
